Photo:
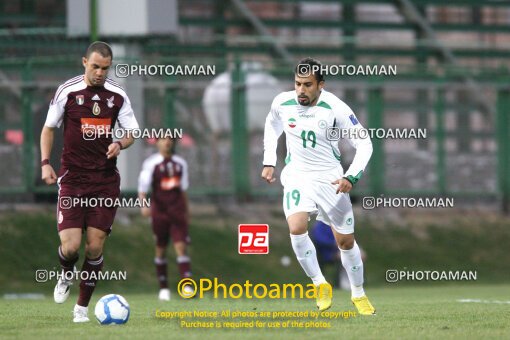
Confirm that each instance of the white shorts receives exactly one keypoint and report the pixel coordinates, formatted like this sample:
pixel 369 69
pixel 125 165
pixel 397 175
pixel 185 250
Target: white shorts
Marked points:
pixel 312 192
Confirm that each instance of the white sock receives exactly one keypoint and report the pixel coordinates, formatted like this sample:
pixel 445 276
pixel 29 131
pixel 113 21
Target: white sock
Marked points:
pixel 307 257
pixel 351 260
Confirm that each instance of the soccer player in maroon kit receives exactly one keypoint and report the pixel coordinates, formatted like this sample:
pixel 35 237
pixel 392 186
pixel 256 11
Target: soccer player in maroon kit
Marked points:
pixel 166 176
pixel 86 104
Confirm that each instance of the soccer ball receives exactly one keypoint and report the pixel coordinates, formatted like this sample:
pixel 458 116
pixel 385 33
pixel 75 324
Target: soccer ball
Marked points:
pixel 112 309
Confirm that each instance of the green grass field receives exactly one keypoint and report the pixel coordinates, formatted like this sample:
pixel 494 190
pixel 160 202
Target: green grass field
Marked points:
pixel 403 312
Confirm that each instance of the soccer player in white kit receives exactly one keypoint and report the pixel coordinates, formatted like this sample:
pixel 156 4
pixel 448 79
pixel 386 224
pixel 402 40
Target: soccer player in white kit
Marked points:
pixel 313 179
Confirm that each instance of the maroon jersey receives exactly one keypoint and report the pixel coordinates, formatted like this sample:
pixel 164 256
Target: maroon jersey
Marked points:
pixel 89 114
pixel 167 178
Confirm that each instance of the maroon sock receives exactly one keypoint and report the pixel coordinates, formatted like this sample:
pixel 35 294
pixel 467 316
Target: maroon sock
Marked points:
pixel 161 272
pixel 66 264
pixel 184 265
pixel 89 271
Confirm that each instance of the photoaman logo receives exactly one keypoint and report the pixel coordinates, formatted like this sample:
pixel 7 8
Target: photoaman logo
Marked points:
pixel 188 288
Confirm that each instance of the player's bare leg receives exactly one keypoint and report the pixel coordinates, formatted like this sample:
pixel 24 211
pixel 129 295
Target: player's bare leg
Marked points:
pixel 70 240
pixel 183 260
pixel 92 265
pixel 161 272
pixel 307 257
pixel 353 264
pixel 183 263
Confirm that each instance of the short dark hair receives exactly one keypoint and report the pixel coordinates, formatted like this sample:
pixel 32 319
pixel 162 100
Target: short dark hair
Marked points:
pixel 312 62
pixel 174 140
pixel 100 47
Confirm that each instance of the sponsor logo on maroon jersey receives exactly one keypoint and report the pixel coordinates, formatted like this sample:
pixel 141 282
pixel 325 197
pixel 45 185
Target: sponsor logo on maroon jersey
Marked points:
pixel 95 126
pixel 169 183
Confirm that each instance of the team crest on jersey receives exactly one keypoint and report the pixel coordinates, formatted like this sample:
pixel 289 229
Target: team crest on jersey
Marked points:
pixel 322 124
pixel 109 102
pixel 80 99
pixel 292 122
pixel 96 110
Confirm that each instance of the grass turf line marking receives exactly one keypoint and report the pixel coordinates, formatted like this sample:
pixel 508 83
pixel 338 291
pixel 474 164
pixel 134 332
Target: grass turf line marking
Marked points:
pixel 482 301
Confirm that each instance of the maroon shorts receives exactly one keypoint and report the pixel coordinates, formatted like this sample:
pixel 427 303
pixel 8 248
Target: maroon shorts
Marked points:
pixel 166 227
pixel 85 199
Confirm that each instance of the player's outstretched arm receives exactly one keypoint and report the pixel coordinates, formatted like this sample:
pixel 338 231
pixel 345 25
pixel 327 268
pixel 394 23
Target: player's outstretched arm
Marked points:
pixel 47 173
pixel 344 185
pixel 144 184
pixel 267 174
pixel 273 129
pixel 347 120
pixel 186 209
pixel 146 211
pixel 115 147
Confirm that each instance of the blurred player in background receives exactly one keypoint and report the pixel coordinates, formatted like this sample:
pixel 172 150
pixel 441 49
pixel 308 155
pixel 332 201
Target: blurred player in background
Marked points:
pixel 329 254
pixel 313 179
pixel 166 176
pixel 86 104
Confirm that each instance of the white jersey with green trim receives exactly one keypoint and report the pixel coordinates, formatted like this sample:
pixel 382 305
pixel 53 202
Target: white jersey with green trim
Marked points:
pixel 312 134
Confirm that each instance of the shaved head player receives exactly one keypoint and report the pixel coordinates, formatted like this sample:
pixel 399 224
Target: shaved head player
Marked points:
pixel 86 105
